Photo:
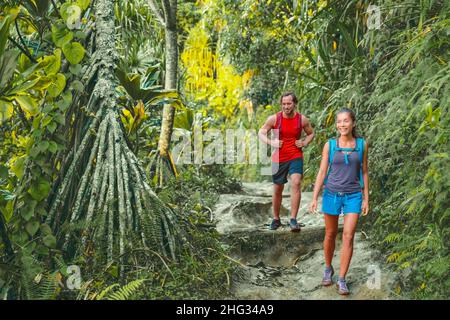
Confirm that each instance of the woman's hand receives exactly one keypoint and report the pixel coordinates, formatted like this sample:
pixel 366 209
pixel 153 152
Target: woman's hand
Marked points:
pixel 365 207
pixel 313 206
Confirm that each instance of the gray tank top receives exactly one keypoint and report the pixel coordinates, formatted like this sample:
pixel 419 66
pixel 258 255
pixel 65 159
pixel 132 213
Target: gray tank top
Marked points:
pixel 344 177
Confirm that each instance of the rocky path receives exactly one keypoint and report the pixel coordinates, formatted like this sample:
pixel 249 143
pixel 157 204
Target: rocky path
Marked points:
pixel 284 265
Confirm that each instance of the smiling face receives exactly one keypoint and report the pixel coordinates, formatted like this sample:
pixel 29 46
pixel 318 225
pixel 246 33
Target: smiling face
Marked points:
pixel 345 124
pixel 288 105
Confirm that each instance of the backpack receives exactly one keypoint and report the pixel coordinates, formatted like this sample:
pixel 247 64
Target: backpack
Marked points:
pixel 298 124
pixel 334 148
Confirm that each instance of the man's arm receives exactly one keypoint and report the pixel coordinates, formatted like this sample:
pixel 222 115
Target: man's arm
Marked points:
pixel 309 133
pixel 267 126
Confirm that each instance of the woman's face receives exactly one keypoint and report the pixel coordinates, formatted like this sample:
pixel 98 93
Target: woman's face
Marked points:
pixel 344 124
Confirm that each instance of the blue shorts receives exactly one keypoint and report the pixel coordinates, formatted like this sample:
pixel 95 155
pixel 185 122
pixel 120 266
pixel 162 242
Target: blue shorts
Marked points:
pixel 279 175
pixel 336 203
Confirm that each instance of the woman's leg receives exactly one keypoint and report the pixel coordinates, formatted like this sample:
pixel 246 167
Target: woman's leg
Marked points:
pixel 350 222
pixel 331 230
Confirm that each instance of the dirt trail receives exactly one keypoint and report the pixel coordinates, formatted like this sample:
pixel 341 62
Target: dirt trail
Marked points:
pixel 284 265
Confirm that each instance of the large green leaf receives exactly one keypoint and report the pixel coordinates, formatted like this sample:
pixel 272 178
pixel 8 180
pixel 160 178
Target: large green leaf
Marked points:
pixel 27 212
pixel 39 190
pixel 159 96
pixel 72 15
pixel 52 127
pixel 61 35
pixel 6 110
pixel 57 86
pixel 8 63
pixel 70 11
pixel 52 63
pixel 37 8
pixel 43 83
pixel 4 172
pixel 75 69
pixel 7 210
pixel 24 86
pixel 53 147
pixel 83 4
pixel 43 146
pixel 64 103
pixel 50 241
pixel 32 227
pixel 17 165
pixel 4 32
pixel 28 104
pixel 131 83
pixel 151 77
pixel 184 119
pixel 74 52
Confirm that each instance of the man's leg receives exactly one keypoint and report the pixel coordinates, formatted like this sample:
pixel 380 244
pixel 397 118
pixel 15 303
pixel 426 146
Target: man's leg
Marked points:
pixel 296 194
pixel 276 199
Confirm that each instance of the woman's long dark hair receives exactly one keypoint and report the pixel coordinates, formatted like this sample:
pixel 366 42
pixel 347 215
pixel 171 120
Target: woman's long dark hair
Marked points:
pixel 352 115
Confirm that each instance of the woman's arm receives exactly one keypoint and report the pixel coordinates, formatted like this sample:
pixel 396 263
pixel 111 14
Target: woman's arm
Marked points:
pixel 365 169
pixel 320 176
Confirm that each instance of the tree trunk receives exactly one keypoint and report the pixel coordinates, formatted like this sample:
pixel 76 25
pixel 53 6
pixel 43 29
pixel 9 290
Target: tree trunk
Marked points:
pixel 170 84
pixel 103 205
pixel 171 47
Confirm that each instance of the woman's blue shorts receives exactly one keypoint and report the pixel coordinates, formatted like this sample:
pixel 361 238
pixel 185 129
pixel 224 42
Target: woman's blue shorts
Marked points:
pixel 335 203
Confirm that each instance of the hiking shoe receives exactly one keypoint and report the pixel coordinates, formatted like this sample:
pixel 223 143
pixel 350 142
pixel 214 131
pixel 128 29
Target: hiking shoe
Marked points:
pixel 294 225
pixel 328 277
pixel 342 287
pixel 276 223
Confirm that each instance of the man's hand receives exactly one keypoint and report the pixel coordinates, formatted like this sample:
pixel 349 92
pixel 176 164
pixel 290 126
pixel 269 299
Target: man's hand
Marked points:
pixel 365 208
pixel 300 144
pixel 276 143
pixel 313 207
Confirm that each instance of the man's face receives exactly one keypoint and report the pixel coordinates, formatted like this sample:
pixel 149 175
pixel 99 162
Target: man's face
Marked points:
pixel 288 105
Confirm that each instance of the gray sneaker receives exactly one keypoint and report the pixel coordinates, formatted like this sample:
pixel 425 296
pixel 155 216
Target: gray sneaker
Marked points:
pixel 276 223
pixel 328 277
pixel 342 287
pixel 293 224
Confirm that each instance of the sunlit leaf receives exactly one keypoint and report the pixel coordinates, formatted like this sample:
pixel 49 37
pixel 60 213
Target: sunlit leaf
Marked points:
pixel 74 52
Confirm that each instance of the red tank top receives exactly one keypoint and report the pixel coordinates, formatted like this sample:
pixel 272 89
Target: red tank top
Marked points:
pixel 289 133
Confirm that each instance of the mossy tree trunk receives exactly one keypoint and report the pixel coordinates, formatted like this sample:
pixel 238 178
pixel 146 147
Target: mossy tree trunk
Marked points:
pixel 167 16
pixel 103 204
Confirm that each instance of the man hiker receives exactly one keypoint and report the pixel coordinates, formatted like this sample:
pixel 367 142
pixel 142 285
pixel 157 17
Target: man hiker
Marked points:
pixel 287 158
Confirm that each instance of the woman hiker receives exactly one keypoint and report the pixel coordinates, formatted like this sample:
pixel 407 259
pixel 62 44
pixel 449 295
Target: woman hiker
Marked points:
pixel 288 156
pixel 344 173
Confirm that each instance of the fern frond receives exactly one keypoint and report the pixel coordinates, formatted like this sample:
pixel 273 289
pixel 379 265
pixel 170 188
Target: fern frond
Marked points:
pixel 104 292
pixel 127 291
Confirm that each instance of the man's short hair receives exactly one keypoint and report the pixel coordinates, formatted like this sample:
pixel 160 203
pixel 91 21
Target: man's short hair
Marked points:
pixel 287 94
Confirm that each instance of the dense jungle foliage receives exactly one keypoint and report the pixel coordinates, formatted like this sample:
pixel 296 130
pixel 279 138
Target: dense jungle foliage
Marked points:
pixel 83 84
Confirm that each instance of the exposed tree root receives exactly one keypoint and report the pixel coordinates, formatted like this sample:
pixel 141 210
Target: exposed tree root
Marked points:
pixel 161 168
pixel 113 200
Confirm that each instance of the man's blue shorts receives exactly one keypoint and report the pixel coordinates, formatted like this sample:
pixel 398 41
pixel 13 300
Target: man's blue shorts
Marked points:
pixel 279 175
pixel 335 203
